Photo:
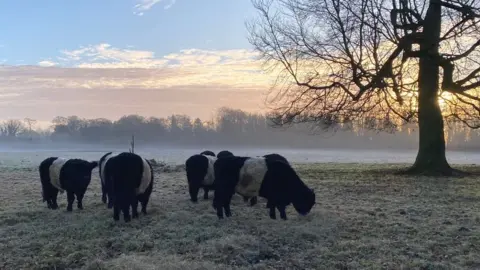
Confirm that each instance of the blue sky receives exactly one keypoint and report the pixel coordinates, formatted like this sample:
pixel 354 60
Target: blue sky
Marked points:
pixel 109 58
pixel 32 31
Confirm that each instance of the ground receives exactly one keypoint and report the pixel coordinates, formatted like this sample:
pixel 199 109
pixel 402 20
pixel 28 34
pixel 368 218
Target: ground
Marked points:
pixel 366 217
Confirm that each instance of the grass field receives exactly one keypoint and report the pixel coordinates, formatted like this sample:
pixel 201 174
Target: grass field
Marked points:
pixel 365 218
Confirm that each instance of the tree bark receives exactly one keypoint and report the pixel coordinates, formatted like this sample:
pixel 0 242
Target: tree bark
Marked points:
pixel 431 158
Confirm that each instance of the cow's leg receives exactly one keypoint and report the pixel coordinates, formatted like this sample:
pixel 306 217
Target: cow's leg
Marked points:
pixel 70 199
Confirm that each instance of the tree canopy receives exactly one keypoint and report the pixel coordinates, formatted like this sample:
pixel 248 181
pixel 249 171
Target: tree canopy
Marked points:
pixel 405 61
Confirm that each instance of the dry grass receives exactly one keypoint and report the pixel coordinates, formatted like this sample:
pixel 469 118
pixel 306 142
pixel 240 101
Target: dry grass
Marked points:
pixel 366 218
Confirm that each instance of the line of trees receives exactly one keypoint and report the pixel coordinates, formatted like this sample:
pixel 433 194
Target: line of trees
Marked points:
pixel 229 127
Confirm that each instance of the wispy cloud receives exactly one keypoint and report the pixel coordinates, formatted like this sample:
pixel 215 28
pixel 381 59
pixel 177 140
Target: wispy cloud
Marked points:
pixel 172 2
pixel 47 63
pixel 145 5
pixel 105 56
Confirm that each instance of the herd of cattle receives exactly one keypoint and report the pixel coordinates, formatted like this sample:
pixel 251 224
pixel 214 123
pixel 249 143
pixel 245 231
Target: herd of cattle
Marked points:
pixel 127 180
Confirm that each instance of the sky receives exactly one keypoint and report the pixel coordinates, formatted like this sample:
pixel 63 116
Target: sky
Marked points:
pixel 111 58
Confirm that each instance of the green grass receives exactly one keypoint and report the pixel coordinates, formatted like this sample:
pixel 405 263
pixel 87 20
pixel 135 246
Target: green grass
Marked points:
pixel 366 217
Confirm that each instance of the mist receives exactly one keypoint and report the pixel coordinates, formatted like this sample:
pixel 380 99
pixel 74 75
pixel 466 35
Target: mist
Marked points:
pixel 176 137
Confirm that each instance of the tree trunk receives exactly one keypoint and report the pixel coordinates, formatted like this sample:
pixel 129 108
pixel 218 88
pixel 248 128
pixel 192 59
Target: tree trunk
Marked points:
pixel 431 158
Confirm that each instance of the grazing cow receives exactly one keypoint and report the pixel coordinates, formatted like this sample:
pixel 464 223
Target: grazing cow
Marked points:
pixel 224 153
pixel 208 153
pixel 131 181
pixel 103 180
pixel 62 174
pixel 200 174
pixel 274 180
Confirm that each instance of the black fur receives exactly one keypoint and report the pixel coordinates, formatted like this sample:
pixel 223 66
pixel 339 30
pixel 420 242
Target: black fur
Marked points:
pixel 104 182
pixel 281 186
pixel 224 153
pixel 75 176
pixel 208 153
pixel 49 192
pixel 124 172
pixel 196 168
pixel 275 156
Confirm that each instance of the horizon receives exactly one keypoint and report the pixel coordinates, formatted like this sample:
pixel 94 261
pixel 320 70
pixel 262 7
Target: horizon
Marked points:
pixel 99 60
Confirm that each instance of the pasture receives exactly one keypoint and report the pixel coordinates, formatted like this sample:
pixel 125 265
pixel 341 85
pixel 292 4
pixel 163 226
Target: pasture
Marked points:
pixel 365 218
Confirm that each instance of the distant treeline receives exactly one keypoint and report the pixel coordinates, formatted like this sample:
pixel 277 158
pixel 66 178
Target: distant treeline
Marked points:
pixel 229 127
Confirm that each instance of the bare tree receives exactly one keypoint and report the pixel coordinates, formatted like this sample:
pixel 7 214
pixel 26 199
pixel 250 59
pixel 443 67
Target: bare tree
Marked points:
pixel 30 123
pixel 399 61
pixel 12 127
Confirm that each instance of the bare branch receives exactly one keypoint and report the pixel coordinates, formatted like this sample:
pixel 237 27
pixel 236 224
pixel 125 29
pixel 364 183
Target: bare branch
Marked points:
pixel 347 60
pixel 465 10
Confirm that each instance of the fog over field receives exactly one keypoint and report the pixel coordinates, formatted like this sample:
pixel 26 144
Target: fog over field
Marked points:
pixel 26 157
pixel 174 138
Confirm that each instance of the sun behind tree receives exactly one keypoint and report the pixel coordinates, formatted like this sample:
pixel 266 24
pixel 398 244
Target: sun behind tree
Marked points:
pixel 407 60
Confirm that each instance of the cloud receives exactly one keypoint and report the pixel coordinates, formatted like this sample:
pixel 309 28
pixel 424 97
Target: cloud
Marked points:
pixel 172 2
pixel 186 67
pixel 105 56
pixel 106 81
pixel 46 63
pixel 145 5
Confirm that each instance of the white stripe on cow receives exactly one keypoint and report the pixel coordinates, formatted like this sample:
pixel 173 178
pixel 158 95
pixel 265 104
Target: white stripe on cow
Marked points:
pixel 210 176
pixel 54 171
pixel 146 178
pixel 251 176
pixel 102 166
